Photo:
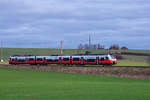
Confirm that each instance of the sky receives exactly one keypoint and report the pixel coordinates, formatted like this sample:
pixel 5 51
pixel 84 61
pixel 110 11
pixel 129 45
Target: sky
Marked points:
pixel 44 23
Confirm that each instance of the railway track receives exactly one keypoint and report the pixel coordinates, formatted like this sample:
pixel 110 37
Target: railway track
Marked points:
pixel 93 66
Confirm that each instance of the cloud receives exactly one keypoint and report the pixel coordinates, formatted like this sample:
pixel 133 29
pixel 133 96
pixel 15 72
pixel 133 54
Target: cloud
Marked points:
pixel 123 22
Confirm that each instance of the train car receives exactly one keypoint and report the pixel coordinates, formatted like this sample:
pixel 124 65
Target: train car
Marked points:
pixel 90 60
pixel 31 60
pixel 52 60
pixel 65 59
pixel 18 60
pixel 12 60
pixel 102 59
pixel 40 60
pixel 106 60
pixel 21 60
pixel 114 60
pixel 76 60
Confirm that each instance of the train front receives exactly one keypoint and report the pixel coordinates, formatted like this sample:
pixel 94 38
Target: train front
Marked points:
pixel 114 60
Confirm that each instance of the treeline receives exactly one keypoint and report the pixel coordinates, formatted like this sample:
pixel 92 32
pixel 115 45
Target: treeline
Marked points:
pixel 99 46
pixel 92 46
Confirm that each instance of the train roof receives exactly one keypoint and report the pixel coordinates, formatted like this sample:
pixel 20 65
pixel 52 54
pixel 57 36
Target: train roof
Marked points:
pixel 31 56
pixel 89 57
pixel 76 56
pixel 52 57
pixel 40 56
pixel 64 56
pixel 21 55
pixel 94 54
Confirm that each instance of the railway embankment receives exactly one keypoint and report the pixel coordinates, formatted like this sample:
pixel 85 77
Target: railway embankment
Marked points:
pixel 118 71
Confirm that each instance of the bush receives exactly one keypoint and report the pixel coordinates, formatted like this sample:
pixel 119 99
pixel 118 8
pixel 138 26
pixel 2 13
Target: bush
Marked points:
pixel 87 52
pixel 114 47
pixel 124 48
pixel 118 56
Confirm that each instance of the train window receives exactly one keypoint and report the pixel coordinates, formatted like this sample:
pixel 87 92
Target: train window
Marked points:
pixel 55 60
pixel 90 60
pixel 39 59
pixel 31 59
pixel 21 60
pixel 75 59
pixel 106 57
pixel 102 59
pixel 52 60
pixel 112 57
pixel 65 59
pixel 13 59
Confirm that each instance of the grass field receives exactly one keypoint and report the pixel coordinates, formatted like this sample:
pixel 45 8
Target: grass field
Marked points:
pixel 35 85
pixel 129 60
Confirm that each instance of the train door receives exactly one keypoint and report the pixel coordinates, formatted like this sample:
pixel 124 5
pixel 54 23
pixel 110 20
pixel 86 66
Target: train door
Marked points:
pixel 60 60
pixel 82 61
pixel 97 60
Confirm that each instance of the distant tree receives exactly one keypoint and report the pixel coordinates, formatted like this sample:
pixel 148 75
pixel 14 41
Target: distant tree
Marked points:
pixel 92 46
pixel 124 48
pixel 87 52
pixel 118 56
pixel 80 46
pixel 114 47
pixel 95 46
pixel 86 46
pixel 100 46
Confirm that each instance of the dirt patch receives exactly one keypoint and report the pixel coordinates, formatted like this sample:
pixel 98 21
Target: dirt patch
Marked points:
pixel 129 72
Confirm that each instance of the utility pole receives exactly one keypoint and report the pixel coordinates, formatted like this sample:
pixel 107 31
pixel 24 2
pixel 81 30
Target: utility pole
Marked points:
pixel 89 41
pixel 61 48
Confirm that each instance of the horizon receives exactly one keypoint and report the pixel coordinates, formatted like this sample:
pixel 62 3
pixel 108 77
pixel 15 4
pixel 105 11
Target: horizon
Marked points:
pixel 71 48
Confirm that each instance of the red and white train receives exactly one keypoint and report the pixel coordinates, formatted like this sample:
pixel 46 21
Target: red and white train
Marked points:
pixel 67 60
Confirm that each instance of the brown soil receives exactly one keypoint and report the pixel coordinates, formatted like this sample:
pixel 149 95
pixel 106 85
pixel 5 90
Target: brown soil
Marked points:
pixel 130 72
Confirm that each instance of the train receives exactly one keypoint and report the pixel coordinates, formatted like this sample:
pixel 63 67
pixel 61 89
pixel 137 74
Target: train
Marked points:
pixel 106 59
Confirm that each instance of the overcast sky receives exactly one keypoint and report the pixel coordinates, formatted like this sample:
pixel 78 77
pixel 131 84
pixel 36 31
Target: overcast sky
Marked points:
pixel 43 23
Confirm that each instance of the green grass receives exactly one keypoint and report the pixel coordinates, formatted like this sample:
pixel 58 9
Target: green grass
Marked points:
pixel 35 85
pixel 131 60
pixel 133 57
pixel 5 62
pixel 132 63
